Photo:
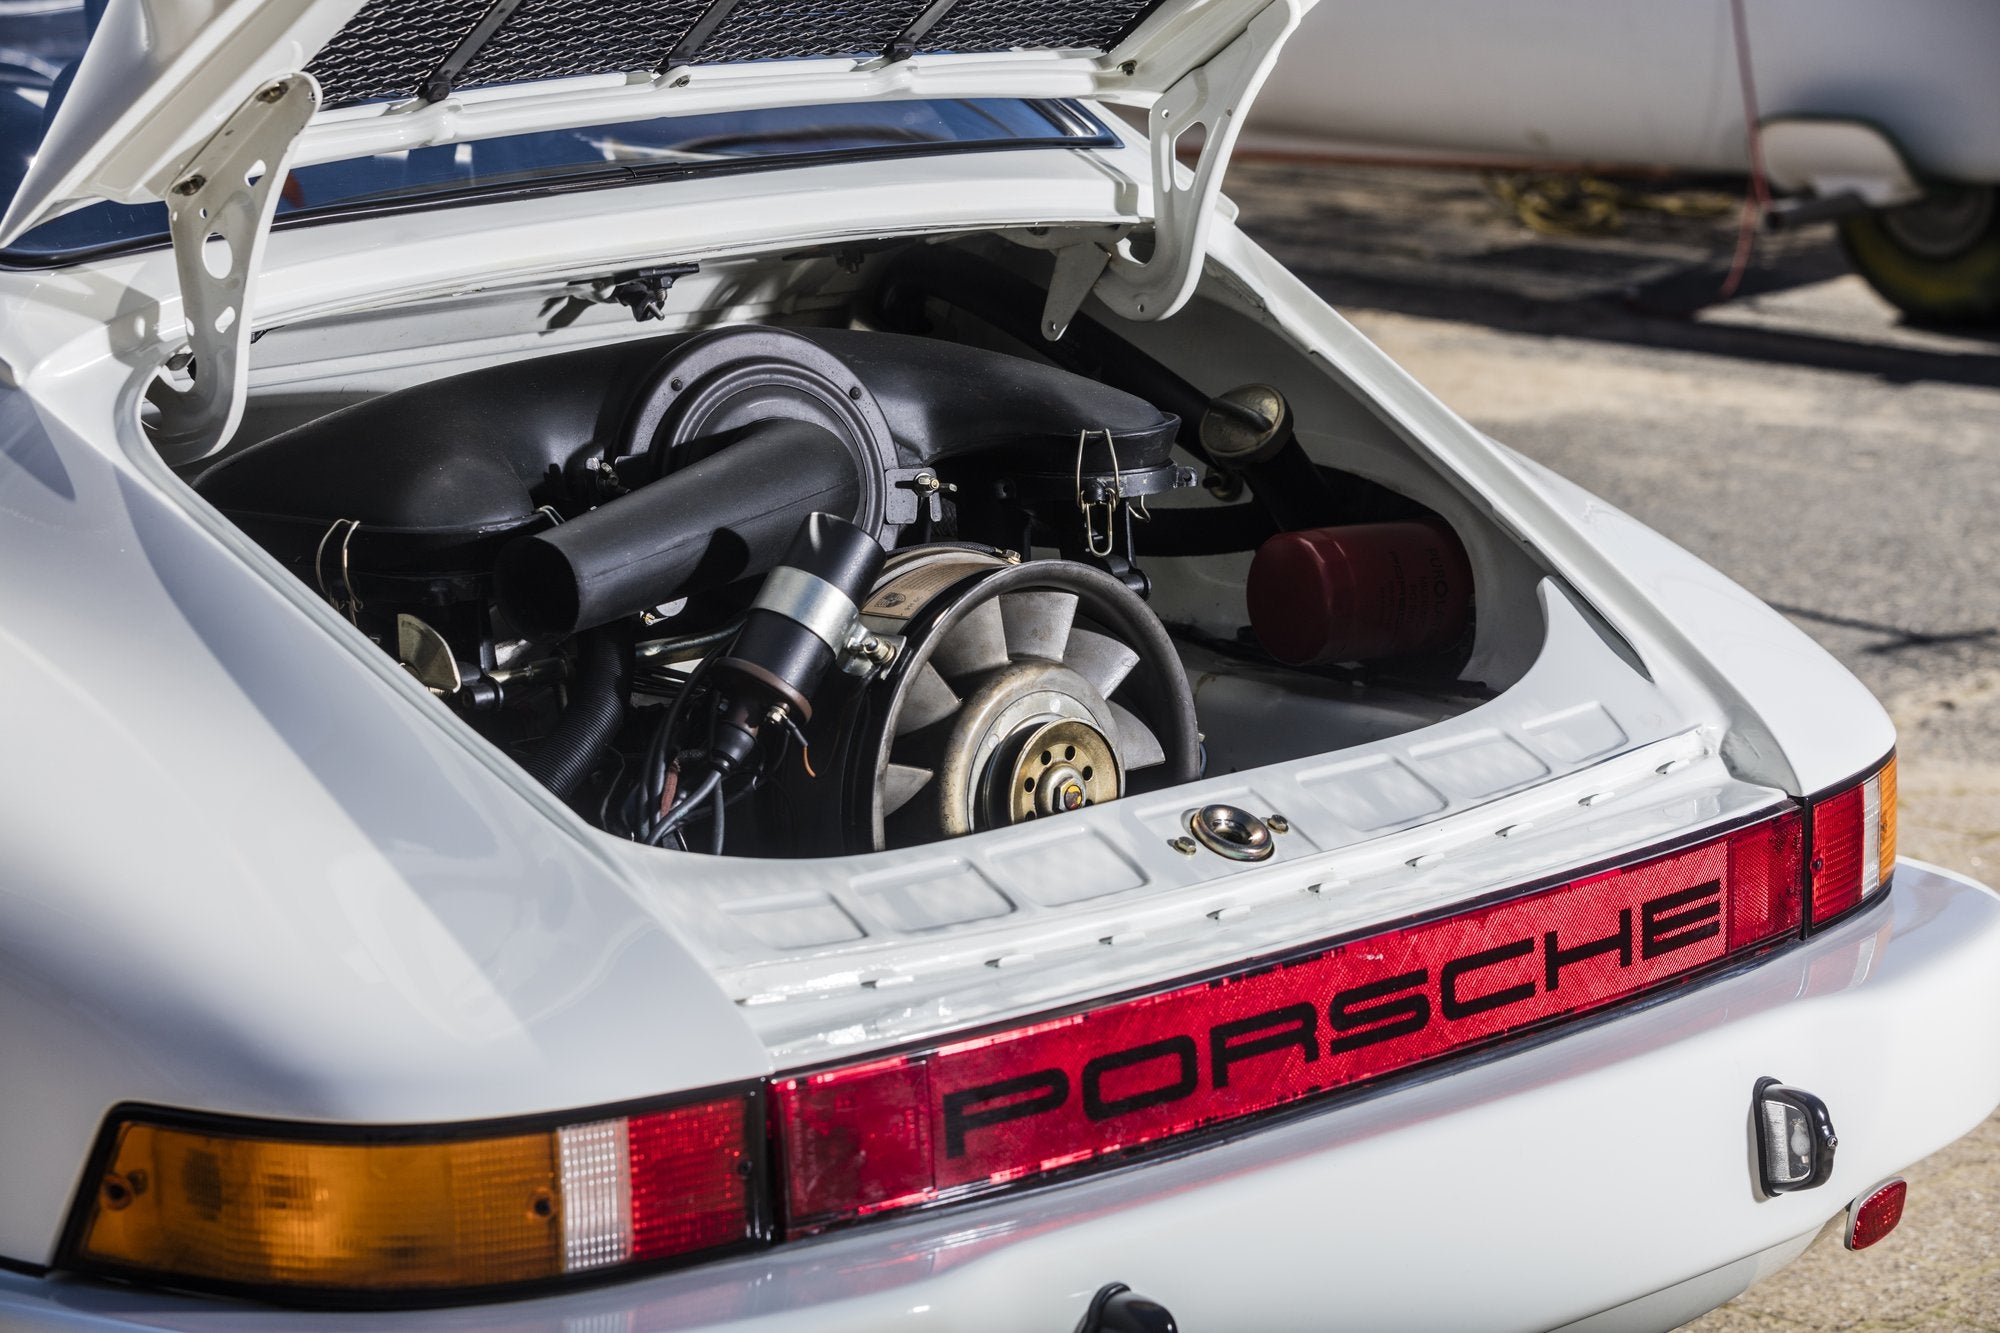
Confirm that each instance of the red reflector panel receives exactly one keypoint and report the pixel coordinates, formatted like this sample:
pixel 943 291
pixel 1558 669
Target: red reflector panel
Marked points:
pixel 1766 867
pixel 1875 1214
pixel 690 1171
pixel 1015 1104
pixel 1836 880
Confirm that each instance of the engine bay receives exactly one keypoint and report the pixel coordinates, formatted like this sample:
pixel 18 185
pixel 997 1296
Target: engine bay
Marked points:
pixel 808 591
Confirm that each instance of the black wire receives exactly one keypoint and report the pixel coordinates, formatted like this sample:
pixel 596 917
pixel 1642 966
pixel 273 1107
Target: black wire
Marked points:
pixel 652 774
pixel 610 786
pixel 628 811
pixel 685 805
pixel 659 684
pixel 770 765
pixel 713 788
pixel 774 762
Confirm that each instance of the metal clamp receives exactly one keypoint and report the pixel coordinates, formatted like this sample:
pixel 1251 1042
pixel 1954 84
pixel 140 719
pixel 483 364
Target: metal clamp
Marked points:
pixel 1109 506
pixel 799 595
pixel 341 594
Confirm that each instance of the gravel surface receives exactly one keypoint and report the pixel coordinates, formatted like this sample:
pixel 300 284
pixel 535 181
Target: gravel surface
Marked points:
pixel 1841 465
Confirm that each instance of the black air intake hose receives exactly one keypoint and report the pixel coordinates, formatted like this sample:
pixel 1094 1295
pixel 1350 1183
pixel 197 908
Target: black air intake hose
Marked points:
pixel 715 521
pixel 596 708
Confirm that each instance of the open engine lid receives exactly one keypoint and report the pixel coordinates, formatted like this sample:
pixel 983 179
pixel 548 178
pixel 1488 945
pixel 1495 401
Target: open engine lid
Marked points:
pixel 161 77
pixel 207 104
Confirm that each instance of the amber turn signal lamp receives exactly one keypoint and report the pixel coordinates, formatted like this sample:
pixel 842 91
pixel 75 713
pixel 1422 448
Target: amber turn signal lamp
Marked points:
pixel 1853 845
pixel 344 1215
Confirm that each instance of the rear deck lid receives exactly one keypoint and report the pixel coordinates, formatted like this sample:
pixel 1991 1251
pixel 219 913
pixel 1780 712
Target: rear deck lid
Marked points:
pixel 161 77
pixel 206 105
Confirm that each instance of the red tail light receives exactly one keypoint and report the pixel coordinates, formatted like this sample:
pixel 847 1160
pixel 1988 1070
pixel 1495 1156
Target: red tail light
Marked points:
pixel 1853 844
pixel 690 1188
pixel 969 1116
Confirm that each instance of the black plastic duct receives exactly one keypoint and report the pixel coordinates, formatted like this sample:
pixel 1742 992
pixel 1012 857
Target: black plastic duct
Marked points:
pixel 713 522
pixel 433 488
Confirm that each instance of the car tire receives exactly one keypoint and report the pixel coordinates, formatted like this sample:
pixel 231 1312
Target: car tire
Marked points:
pixel 1937 259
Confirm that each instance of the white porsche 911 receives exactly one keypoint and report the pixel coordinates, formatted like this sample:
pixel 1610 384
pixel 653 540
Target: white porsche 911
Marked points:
pixel 697 664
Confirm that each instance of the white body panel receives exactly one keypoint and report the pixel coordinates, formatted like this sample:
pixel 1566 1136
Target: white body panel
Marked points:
pixel 1562 1180
pixel 1637 81
pixel 323 897
pixel 315 903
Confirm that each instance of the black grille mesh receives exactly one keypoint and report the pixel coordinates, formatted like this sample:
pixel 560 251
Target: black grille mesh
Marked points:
pixel 390 48
pixel 553 39
pixel 780 29
pixel 1004 25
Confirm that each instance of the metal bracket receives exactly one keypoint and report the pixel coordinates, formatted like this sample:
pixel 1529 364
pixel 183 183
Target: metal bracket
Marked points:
pixel 869 650
pixel 427 655
pixel 1212 97
pixel 219 212
pixel 645 293
pixel 914 493
pixel 1077 270
pixel 1081 254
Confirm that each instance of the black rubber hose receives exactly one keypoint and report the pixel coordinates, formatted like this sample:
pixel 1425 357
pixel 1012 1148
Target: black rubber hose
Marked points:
pixel 596 710
pixel 726 517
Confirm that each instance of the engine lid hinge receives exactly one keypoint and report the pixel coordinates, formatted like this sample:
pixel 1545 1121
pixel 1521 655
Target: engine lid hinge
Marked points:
pixel 219 211
pixel 1213 97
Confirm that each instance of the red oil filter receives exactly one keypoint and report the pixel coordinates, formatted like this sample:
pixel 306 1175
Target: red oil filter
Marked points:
pixel 1356 593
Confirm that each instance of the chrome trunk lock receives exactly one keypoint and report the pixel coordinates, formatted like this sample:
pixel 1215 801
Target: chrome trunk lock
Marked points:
pixel 1233 832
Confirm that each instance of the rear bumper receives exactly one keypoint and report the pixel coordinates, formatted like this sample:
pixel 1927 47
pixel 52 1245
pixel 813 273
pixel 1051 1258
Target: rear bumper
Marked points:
pixel 1539 1186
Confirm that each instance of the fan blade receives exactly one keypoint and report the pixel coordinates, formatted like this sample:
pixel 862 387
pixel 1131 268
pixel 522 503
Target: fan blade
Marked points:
pixel 1038 622
pixel 1138 747
pixel 899 783
pixel 927 700
pixel 1099 659
pixel 975 644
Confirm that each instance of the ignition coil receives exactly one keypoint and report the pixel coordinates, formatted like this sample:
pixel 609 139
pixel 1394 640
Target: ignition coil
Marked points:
pixel 801 621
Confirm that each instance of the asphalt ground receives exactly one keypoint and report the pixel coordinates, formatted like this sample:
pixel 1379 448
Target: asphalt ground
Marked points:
pixel 1803 438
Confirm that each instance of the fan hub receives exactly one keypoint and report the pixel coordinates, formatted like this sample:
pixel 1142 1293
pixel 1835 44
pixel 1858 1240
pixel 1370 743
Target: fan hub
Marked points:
pixel 976 764
pixel 1056 767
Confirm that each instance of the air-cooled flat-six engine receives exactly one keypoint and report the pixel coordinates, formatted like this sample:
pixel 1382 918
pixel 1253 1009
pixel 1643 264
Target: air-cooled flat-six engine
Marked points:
pixel 801 592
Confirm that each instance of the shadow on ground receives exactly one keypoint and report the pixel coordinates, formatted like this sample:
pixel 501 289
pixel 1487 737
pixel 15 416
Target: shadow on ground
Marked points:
pixel 1440 245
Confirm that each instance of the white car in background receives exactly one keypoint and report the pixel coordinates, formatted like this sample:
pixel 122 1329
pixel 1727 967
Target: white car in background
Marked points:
pixel 735 665
pixel 1885 117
